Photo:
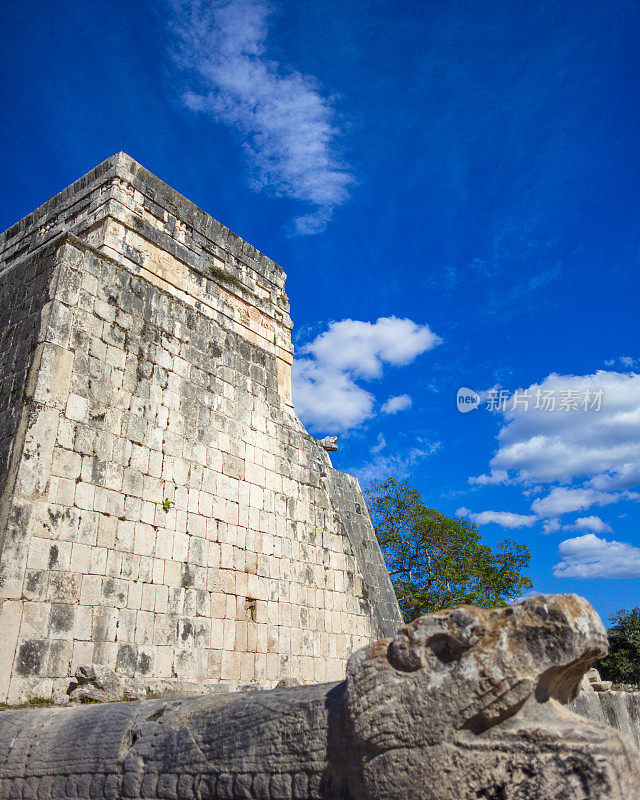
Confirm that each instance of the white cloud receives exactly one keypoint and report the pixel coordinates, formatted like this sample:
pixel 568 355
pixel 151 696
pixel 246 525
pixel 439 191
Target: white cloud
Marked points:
pixel 325 392
pixel 563 500
pixel 496 476
pixel 328 400
pixel 601 446
pixel 288 127
pixel 395 404
pixel 506 519
pixel 593 524
pixel 593 455
pixel 590 557
pixel 397 466
pixel 362 348
pixel 574 460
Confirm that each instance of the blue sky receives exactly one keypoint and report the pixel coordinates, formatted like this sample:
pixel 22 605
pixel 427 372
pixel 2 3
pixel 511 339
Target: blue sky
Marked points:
pixel 452 190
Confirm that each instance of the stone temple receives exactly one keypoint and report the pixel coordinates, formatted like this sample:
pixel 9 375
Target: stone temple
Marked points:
pixel 163 511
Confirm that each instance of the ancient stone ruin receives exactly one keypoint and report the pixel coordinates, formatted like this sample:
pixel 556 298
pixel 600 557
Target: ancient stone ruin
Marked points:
pixel 463 704
pixel 169 529
pixel 619 707
pixel 163 512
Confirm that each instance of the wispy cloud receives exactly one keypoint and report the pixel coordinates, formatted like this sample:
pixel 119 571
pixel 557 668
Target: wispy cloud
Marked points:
pixel 551 525
pixel 394 404
pixel 398 466
pixel 506 519
pixel 287 125
pixel 590 557
pixel 379 445
pixel 626 361
pixel 326 394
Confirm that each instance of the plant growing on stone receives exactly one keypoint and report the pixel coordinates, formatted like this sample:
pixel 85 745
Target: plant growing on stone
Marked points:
pixel 39 701
pixel 436 562
pixel 223 275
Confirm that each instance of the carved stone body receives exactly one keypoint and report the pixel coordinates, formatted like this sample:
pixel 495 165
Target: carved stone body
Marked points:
pixel 462 704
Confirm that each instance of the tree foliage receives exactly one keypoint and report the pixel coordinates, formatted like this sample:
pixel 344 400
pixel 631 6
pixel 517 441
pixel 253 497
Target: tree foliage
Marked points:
pixel 436 562
pixel 622 665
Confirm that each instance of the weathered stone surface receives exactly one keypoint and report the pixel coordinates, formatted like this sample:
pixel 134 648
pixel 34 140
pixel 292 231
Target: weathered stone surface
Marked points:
pixel 163 511
pixel 100 684
pixel 23 299
pixel 620 710
pixel 592 681
pixel 460 705
pixel 482 693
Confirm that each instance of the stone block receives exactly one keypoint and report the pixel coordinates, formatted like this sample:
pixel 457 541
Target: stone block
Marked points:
pixel 50 378
pixel 84 496
pixel 57 320
pixel 69 278
pixel 59 658
pixel 34 623
pixel 38 554
pixel 61 620
pixel 81 556
pixel 91 592
pixel 37 453
pixel 126 626
pixel 66 463
pixel 64 587
pixel 35 585
pixel 82 653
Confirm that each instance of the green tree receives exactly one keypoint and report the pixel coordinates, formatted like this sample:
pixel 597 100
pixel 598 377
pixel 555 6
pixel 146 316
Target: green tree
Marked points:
pixel 622 665
pixel 437 562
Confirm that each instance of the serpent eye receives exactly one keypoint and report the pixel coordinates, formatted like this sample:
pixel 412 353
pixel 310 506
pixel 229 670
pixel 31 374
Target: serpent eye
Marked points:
pixel 403 655
pixel 448 647
pixel 408 655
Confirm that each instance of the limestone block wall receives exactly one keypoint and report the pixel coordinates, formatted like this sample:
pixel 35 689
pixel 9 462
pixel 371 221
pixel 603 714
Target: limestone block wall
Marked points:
pixel 164 512
pixel 23 298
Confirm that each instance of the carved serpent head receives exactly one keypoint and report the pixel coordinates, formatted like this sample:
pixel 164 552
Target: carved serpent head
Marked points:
pixel 459 698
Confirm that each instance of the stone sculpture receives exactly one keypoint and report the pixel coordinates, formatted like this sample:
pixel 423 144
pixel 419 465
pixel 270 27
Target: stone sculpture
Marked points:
pixel 461 704
pixel 330 443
